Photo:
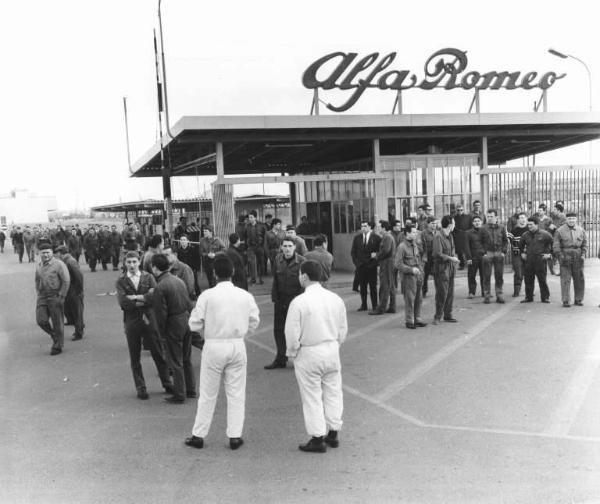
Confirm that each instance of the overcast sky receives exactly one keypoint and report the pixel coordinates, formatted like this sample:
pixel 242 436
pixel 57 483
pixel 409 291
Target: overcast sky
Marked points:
pixel 68 64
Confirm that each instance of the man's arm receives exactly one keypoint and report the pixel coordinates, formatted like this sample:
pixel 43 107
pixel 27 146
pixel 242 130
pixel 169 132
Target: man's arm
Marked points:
pixel 342 322
pixel 198 315
pixel 254 316
pixel 556 244
pixel 159 304
pixel 583 244
pixel 504 241
pixel 293 329
pixel 63 273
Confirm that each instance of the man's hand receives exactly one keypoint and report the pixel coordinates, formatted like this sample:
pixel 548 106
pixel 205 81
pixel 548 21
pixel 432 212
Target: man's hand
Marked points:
pixel 455 260
pixel 416 271
pixel 546 256
pixel 373 255
pixel 469 262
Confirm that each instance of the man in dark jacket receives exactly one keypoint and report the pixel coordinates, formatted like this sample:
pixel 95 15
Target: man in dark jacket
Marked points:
pixel 91 246
pixel 474 252
pixel 190 255
pixel 134 296
pixel 462 223
pixel 74 299
pixel 172 308
pixel 239 278
pixel 255 241
pixel 18 243
pixel 74 245
pixel 365 246
pixel 445 261
pixel 495 245
pixel 286 286
pixel 427 240
pixel 536 249
pixel 385 260
pixel 116 243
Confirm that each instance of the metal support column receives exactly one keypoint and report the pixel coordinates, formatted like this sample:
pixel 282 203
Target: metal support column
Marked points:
pixel 484 180
pixel 381 209
pixel 222 199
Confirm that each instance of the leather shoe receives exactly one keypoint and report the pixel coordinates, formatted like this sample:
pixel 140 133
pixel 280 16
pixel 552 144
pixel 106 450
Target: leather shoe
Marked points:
pixel 470 296
pixel 487 300
pixel 545 300
pixel 235 442
pixel 174 400
pixel 169 389
pixel 410 326
pixel 450 319
pixel 194 442
pixel 191 395
pixel 276 364
pixel 76 337
pixel 566 304
pixel 436 321
pixel 142 394
pixel 55 351
pixel 526 300
pixel 375 312
pixel 390 310
pixel 418 323
pixel 500 300
pixel 332 439
pixel 315 445
pixel 578 303
pixel 362 308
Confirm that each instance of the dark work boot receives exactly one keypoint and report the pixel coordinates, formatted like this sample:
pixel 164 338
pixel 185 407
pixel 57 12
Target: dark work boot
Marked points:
pixel 315 445
pixel 517 291
pixel 332 439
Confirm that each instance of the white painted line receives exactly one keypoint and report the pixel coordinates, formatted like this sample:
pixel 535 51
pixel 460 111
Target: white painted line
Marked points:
pixel 428 364
pixel 576 391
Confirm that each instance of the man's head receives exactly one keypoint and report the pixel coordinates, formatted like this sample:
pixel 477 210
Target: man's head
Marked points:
pixel 170 254
pixel 397 226
pixel 477 222
pixel 268 218
pixel 428 209
pixel 252 217
pixel 559 206
pixel 156 242
pixel 385 225
pixel 421 210
pixel 522 219
pixel 542 210
pixel 276 224
pixel 208 231
pixel 431 223
pixel 74 232
pixel 533 222
pixel 234 239
pixel 408 221
pixel 113 228
pixel 366 227
pixel 184 241
pixel 492 216
pixel 321 241
pixel 223 267
pixel 160 264
pixel 45 249
pixel 571 219
pixel 448 223
pixel 288 247
pixel 410 232
pixel 310 272
pixel 460 209
pixel 477 206
pixel 290 230
pixel 61 251
pixel 132 262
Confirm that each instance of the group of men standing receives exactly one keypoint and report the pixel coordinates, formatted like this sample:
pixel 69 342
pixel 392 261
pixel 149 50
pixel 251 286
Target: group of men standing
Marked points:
pixel 406 256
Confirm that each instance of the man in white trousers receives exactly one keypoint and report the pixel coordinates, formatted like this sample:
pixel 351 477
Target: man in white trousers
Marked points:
pixel 315 327
pixel 224 315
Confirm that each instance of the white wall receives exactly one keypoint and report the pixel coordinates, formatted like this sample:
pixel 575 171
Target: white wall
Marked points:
pixel 26 209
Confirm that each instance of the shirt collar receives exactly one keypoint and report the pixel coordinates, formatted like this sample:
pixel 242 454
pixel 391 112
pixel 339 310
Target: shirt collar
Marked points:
pixel 137 275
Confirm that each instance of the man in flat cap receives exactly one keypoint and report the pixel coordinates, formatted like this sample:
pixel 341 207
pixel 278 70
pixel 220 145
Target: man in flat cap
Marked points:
pixel 51 284
pixel 570 247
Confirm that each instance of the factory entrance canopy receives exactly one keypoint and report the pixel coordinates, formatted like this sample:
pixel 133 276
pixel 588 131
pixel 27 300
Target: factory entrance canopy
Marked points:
pixel 255 145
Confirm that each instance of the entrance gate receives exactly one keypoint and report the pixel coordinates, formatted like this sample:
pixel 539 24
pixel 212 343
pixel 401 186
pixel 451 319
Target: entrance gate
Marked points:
pixel 527 187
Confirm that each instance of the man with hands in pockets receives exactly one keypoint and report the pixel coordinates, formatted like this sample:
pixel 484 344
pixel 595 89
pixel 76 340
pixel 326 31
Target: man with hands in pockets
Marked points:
pixel 224 315
pixel 315 327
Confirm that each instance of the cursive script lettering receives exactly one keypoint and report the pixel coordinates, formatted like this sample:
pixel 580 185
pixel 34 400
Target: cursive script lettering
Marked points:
pixel 444 69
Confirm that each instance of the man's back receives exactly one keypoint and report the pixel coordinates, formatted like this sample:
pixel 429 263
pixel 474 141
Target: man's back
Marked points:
pixel 324 258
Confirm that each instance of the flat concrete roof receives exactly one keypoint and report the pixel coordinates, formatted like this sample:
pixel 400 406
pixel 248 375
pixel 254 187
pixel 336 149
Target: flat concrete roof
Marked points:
pixel 291 144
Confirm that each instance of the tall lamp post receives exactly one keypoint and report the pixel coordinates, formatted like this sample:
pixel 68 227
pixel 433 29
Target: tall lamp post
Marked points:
pixel 565 56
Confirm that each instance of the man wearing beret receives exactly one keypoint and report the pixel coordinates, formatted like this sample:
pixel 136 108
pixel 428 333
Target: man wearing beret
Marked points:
pixel 51 284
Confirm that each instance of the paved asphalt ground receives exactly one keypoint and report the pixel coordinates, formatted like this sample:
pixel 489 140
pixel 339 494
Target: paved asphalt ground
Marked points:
pixel 503 407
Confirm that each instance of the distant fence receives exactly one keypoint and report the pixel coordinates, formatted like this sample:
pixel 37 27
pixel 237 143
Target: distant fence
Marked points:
pixel 527 187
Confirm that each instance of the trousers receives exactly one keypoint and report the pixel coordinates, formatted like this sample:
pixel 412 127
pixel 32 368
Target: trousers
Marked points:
pixel 52 310
pixel 495 261
pixel 571 267
pixel 256 260
pixel 444 290
pixel 387 287
pixel 536 267
pixel 518 267
pixel 74 311
pixel 280 315
pixel 427 270
pixel 139 333
pixel 475 267
pixel 412 286
pixel 178 353
pixel 222 358
pixel 367 276
pixel 319 374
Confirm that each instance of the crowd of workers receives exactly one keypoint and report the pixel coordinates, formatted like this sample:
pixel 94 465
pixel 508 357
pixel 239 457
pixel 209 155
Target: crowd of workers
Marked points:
pixel 166 313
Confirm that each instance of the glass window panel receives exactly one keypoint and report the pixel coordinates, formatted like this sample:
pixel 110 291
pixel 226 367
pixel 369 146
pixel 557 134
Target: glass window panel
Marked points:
pixel 343 225
pixel 438 178
pixel 327 193
pixel 300 193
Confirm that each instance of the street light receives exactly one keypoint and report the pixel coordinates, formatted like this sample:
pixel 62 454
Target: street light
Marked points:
pixel 554 52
